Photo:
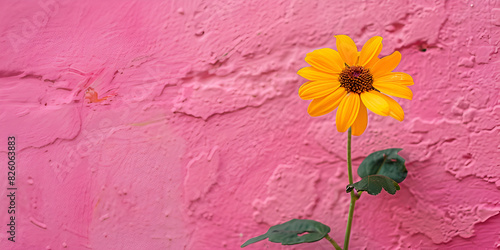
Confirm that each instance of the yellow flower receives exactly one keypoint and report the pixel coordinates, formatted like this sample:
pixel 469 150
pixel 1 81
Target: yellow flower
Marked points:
pixel 354 81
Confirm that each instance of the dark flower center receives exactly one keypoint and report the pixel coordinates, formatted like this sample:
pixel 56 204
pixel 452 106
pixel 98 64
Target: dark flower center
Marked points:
pixel 356 79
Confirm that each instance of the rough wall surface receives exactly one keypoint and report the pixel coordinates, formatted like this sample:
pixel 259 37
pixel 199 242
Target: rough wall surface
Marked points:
pixel 177 124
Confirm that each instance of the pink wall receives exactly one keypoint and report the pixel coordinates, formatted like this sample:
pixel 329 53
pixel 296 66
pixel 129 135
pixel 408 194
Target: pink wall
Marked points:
pixel 203 141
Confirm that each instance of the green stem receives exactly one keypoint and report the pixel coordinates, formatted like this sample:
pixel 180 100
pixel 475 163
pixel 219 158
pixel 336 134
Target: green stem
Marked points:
pixel 337 247
pixel 349 163
pixel 354 197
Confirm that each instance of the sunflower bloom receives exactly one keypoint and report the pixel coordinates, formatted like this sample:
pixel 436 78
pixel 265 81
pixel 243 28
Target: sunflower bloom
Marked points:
pixel 353 81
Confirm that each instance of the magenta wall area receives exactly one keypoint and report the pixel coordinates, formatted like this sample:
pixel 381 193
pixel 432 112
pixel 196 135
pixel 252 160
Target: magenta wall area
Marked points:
pixel 177 124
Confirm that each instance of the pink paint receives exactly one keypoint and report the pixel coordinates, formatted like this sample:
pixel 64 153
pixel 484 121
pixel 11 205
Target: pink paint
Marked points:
pixel 202 141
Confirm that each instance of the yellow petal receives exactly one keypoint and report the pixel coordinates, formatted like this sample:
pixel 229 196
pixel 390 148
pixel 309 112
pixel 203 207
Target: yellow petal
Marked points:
pixel 347 49
pixel 347 112
pixel 386 64
pixel 313 74
pixel 394 89
pixel 375 102
pixel 359 125
pixel 326 104
pixel 396 77
pixel 372 62
pixel 317 89
pixel 396 110
pixel 370 50
pixel 327 60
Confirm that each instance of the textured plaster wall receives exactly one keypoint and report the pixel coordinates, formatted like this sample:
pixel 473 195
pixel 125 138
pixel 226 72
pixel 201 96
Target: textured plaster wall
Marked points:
pixel 177 124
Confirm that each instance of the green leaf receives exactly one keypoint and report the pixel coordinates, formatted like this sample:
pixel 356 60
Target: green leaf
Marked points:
pixel 384 162
pixel 288 233
pixel 255 239
pixel 373 184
